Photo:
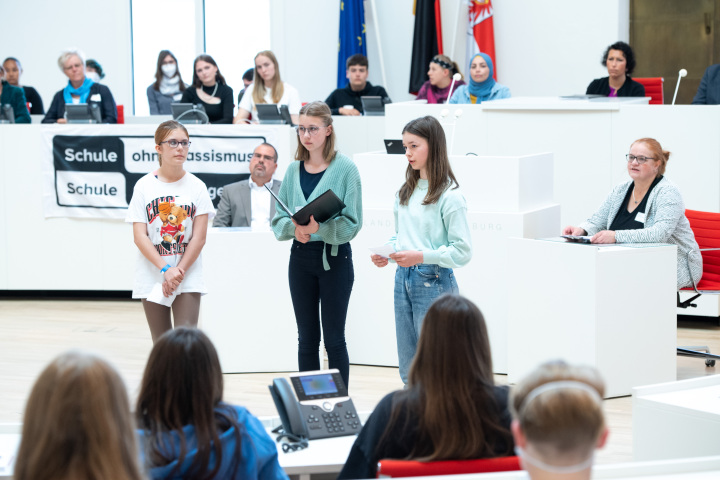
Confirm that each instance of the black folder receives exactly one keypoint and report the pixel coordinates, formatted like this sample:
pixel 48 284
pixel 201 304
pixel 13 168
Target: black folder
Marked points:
pixel 323 208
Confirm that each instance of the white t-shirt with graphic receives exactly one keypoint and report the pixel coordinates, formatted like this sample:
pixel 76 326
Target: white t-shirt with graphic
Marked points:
pixel 168 210
pixel 290 97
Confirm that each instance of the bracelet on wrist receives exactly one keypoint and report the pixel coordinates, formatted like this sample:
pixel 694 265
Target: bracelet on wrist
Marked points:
pixel 165 268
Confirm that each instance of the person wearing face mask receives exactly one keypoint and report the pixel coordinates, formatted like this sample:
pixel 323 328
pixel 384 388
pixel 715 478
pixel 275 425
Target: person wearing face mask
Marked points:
pixel 93 70
pixel 13 71
pixel 558 421
pixel 482 86
pixel 14 96
pixel 79 89
pixel 210 90
pixel 168 86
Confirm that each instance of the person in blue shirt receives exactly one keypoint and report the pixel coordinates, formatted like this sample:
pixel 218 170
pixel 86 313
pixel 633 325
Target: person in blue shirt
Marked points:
pixel 482 86
pixel 186 430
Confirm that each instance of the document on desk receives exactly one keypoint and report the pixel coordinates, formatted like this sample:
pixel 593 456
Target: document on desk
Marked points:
pixel 156 295
pixel 383 250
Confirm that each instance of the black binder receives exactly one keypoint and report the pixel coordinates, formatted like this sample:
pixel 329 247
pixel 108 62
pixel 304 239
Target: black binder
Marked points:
pixel 323 208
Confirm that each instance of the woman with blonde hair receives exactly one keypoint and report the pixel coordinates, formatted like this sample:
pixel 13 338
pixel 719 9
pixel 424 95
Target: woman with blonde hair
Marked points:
pixel 77 424
pixel 268 87
pixel 451 408
pixel 558 420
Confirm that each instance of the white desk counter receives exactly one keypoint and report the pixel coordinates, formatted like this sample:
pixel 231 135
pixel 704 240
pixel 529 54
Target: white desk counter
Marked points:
pixel 611 307
pixel 677 419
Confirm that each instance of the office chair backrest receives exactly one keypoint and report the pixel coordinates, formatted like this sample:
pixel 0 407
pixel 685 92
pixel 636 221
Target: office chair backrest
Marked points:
pixel 706 227
pixel 653 89
pixel 412 468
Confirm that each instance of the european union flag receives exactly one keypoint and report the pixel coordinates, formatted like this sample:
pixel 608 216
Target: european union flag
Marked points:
pixel 352 35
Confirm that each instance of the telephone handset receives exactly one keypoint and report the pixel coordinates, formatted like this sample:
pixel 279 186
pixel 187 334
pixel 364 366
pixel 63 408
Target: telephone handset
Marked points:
pixel 315 405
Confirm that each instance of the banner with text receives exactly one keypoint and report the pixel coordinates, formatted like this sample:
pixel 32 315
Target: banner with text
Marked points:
pixel 91 170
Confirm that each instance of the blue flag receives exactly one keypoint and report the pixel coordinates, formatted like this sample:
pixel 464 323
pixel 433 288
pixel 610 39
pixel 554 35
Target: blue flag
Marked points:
pixel 352 35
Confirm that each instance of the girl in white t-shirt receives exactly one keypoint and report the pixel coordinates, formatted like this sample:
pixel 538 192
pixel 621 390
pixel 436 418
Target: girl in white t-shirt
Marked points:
pixel 267 87
pixel 170 210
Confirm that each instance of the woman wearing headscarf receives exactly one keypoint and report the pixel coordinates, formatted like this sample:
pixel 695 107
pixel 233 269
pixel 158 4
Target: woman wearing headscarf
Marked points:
pixel 482 86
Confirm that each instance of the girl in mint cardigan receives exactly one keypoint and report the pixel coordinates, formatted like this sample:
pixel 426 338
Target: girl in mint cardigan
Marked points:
pixel 321 271
pixel 431 233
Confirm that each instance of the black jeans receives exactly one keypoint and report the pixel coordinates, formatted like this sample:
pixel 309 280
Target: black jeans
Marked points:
pixel 313 289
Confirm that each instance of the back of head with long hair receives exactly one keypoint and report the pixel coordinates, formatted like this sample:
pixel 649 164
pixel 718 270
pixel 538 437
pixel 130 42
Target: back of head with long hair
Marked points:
pixel 450 388
pixel 77 423
pixel 206 58
pixel 322 111
pixel 159 73
pixel 440 174
pixel 562 421
pixel 276 83
pixel 183 385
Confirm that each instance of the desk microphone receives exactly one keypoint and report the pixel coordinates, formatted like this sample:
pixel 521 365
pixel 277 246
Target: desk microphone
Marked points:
pixel 456 78
pixel 682 73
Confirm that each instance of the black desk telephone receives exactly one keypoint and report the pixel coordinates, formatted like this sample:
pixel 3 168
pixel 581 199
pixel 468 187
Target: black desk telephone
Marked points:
pixel 316 406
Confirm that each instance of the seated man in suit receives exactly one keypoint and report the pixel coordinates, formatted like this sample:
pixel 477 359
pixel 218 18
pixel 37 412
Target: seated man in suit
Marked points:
pixel 708 92
pixel 346 101
pixel 247 203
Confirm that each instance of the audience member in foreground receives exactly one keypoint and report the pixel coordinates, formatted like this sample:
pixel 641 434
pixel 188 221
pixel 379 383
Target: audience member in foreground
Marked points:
pixel 168 86
pixel 482 86
pixel 77 424
pixel 620 62
pixel 15 97
pixel 210 90
pixel 268 87
pixel 13 71
pixel 347 101
pixel 558 421
pixel 647 209
pixel 80 89
pixel 451 410
pixel 320 273
pixel 186 430
pixel 170 210
pixel 440 75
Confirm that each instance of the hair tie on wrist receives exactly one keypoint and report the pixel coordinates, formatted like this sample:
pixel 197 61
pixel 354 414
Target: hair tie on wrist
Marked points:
pixel 165 268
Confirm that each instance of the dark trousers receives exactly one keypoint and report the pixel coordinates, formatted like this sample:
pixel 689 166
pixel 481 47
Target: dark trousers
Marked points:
pixel 315 290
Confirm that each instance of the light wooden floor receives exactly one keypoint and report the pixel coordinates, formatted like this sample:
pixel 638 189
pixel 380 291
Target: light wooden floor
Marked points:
pixel 32 332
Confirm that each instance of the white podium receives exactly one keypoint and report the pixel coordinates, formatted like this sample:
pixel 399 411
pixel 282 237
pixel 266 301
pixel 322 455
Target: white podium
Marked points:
pixel 677 419
pixel 506 197
pixel 248 312
pixel 611 307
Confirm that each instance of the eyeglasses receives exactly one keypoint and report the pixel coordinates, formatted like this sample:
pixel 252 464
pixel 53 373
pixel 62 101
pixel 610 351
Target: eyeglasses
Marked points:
pixel 631 158
pixel 311 130
pixel 175 143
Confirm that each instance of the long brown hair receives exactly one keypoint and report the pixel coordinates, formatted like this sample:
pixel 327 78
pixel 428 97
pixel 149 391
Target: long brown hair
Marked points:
pixel 77 423
pixel 450 388
pixel 206 58
pixel 561 422
pixel 159 73
pixel 183 385
pixel 276 83
pixel 322 111
pixel 164 129
pixel 440 174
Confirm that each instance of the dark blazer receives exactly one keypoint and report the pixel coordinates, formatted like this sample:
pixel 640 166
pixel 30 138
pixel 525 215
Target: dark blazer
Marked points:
pixel 15 97
pixel 234 209
pixel 108 108
pixel 601 86
pixel 709 90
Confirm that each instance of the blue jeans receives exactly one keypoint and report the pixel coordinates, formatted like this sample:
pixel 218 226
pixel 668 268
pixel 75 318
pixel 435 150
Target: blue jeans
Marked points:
pixel 313 289
pixel 416 288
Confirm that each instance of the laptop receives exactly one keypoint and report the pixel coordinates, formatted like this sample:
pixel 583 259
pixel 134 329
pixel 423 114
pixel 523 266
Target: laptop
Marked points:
pixel 188 113
pixel 269 114
pixel 373 106
pixel 394 147
pixel 83 113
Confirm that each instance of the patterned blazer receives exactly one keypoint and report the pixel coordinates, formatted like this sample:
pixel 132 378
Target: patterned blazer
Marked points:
pixel 665 222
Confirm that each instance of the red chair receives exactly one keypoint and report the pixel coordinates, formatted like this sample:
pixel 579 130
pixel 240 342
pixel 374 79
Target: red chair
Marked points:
pixel 653 89
pixel 412 468
pixel 120 114
pixel 706 227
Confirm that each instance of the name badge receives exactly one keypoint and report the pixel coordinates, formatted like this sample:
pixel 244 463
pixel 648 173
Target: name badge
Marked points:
pixel 96 98
pixel 640 217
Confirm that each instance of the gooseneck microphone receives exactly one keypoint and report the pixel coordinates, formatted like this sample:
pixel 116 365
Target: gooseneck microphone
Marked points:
pixel 682 73
pixel 456 78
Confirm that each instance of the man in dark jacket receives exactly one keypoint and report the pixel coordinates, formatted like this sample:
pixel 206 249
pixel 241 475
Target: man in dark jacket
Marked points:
pixel 346 101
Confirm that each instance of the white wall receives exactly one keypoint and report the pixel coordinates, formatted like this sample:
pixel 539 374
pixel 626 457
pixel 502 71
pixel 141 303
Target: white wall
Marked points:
pixel 543 48
pixel 37 31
